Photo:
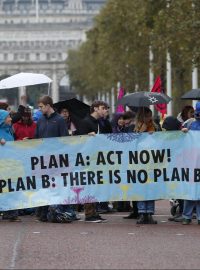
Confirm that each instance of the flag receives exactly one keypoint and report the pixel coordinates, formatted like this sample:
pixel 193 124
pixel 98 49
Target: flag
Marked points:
pixel 120 108
pixel 157 87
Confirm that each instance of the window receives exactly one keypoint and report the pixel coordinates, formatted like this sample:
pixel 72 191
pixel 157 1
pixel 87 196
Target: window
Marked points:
pixel 5 56
pixel 37 56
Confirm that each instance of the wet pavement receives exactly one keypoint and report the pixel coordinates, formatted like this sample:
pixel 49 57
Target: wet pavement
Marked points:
pixel 117 244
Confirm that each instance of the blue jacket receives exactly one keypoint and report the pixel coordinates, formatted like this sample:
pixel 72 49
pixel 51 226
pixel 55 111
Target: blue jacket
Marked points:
pixel 195 125
pixel 52 126
pixel 5 130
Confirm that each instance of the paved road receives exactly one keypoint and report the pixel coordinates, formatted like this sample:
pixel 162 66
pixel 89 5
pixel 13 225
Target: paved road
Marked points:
pixel 118 244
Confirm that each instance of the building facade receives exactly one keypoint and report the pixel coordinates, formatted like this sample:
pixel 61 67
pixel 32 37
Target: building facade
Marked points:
pixel 35 35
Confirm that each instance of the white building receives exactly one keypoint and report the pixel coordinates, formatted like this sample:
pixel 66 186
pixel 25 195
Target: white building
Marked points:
pixel 35 35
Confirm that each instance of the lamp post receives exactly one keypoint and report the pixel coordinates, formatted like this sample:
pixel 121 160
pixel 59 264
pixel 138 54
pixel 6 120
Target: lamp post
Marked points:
pixel 169 83
pixel 194 82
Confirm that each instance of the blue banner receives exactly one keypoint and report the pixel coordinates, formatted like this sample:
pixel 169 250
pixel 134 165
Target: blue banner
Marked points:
pixel 111 167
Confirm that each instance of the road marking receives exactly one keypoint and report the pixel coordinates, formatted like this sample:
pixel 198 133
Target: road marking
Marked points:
pixel 179 234
pixel 36 232
pixel 131 233
pixel 15 249
pixel 84 233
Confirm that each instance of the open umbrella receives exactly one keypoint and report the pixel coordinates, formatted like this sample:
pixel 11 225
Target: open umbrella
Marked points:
pixel 142 99
pixel 75 107
pixel 24 79
pixel 193 94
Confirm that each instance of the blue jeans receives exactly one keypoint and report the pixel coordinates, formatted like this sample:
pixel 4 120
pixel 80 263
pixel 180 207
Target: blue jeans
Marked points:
pixel 146 207
pixel 189 207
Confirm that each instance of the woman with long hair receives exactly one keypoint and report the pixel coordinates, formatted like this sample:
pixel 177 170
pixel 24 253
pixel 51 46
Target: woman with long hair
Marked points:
pixel 144 123
pixel 186 114
pixel 25 128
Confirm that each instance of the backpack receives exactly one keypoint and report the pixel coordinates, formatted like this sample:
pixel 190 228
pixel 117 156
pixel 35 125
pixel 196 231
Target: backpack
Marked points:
pixel 57 215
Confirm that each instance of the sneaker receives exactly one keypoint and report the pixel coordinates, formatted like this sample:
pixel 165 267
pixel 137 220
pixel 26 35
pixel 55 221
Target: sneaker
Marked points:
pixel 194 216
pixel 151 220
pixel 142 219
pixel 102 219
pixel 186 221
pixel 93 219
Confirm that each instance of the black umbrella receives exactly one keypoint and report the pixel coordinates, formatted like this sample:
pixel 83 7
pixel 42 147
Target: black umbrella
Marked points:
pixel 75 107
pixel 143 99
pixel 193 94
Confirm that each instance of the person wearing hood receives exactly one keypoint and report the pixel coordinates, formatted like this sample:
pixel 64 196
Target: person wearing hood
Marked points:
pixel 118 123
pixel 6 134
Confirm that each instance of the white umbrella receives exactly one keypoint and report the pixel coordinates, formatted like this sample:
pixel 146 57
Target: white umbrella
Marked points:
pixel 24 79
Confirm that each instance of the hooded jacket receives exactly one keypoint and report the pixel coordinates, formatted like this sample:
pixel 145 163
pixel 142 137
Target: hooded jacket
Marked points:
pixel 5 130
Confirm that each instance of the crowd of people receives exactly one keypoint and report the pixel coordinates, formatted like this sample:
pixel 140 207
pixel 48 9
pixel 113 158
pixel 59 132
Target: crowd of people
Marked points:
pixel 48 122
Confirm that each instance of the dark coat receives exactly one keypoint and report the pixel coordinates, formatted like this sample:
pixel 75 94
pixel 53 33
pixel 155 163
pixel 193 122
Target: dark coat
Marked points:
pixel 89 124
pixel 52 126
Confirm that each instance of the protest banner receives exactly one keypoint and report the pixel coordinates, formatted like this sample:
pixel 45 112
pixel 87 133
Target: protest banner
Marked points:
pixel 106 167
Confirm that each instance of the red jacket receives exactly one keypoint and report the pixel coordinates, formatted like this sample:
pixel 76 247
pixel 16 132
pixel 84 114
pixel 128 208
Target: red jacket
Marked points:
pixel 22 131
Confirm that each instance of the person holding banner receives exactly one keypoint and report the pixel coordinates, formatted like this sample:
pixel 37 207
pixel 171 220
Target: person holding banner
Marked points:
pixel 64 112
pixel 91 126
pixel 118 126
pixel 117 123
pixel 144 123
pixel 50 124
pixel 105 127
pixel 171 123
pixel 186 114
pixel 24 128
pixel 189 205
pixel 6 134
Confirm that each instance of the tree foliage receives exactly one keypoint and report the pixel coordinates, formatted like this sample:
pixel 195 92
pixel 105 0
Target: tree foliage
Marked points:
pixel 117 47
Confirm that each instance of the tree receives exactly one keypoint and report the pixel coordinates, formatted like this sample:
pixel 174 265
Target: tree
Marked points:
pixel 117 48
